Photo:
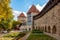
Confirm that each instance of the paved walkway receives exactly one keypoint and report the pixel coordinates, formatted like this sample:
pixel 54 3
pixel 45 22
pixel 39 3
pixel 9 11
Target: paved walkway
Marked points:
pixel 1 35
pixel 25 37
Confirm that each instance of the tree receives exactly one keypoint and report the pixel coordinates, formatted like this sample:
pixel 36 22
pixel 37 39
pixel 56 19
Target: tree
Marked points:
pixel 5 14
pixel 15 23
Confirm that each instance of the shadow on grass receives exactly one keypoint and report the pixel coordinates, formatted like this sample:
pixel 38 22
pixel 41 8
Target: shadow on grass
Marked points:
pixel 39 35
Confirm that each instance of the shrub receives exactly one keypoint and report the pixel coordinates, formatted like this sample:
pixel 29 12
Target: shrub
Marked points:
pixel 19 36
pixel 37 31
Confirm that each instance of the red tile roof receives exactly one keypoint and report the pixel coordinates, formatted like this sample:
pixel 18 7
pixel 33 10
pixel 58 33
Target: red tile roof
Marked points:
pixel 33 9
pixel 22 15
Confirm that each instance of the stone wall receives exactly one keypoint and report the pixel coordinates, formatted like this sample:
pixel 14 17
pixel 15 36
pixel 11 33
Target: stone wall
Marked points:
pixel 50 22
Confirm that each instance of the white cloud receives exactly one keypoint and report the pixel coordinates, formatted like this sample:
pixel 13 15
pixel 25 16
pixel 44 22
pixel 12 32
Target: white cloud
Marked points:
pixel 15 13
pixel 40 7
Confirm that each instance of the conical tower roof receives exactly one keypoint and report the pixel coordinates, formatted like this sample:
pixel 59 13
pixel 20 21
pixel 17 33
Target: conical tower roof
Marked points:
pixel 33 9
pixel 22 15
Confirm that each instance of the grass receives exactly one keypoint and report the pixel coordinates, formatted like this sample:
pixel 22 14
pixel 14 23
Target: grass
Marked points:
pixel 39 36
pixel 9 36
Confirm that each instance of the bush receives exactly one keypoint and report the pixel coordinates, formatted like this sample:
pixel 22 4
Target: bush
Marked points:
pixel 22 34
pixel 19 36
pixel 37 31
pixel 15 23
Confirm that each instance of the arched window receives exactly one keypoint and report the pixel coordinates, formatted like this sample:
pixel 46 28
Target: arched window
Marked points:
pixel 54 29
pixel 45 29
pixel 49 29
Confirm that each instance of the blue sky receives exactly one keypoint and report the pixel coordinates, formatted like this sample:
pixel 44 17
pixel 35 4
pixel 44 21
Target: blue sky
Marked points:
pixel 23 5
pixel 19 6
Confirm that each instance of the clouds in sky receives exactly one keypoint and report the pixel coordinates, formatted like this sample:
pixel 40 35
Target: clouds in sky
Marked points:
pixel 40 7
pixel 15 13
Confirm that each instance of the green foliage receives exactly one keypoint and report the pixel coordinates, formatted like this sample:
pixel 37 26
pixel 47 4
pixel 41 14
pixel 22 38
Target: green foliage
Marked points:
pixel 15 23
pixel 5 14
pixel 37 31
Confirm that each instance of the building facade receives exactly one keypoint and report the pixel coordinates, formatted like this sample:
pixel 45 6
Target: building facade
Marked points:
pixel 23 19
pixel 31 12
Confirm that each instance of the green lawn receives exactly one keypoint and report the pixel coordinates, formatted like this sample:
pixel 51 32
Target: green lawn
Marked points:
pixel 39 36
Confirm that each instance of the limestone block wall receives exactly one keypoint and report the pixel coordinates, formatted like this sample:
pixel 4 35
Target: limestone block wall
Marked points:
pixel 50 21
